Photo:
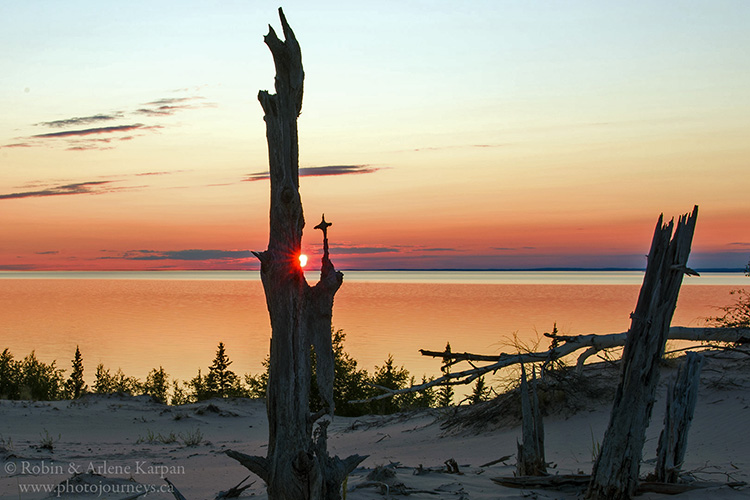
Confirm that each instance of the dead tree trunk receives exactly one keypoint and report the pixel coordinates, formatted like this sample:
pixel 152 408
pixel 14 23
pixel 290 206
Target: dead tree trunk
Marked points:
pixel 530 460
pixel 615 473
pixel 681 399
pixel 296 466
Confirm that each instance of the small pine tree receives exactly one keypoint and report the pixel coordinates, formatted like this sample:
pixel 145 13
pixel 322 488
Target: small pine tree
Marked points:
pixel 157 384
pixel 75 385
pixel 198 390
pixel 445 393
pixel 391 377
pixel 103 381
pixel 427 397
pixel 221 381
pixel 180 394
pixel 481 392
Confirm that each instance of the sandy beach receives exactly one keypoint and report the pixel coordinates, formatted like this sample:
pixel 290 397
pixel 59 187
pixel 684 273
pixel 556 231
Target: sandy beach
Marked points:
pixel 136 442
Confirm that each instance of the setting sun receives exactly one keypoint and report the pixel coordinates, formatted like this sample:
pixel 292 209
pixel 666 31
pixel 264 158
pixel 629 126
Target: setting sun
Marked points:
pixel 302 260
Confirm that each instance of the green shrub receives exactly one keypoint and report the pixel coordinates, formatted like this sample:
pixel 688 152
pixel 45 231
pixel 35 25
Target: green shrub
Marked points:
pixel 9 372
pixel 39 381
pixel 103 382
pixel 735 315
pixel 157 384
pixel 256 385
pixel 192 438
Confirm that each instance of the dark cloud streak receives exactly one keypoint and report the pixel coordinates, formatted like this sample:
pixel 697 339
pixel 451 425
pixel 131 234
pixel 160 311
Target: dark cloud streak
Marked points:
pixel 352 250
pixel 64 190
pixel 171 105
pixel 320 171
pixel 91 131
pixel 188 255
pixel 83 120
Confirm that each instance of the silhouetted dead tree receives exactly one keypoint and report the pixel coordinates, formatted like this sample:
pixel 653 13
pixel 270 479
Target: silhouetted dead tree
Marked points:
pixel 297 465
pixel 615 473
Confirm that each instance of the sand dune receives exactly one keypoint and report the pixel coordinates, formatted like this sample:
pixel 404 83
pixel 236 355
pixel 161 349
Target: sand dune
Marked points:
pixel 115 440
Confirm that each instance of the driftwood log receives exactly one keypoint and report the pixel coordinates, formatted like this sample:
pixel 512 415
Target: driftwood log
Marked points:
pixel 563 345
pixel 297 465
pixel 682 397
pixel 615 472
pixel 580 481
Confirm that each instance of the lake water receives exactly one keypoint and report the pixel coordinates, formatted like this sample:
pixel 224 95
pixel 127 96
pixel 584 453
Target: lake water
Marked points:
pixel 141 320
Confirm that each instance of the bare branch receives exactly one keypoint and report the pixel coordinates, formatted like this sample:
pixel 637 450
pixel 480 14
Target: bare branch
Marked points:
pixel 564 345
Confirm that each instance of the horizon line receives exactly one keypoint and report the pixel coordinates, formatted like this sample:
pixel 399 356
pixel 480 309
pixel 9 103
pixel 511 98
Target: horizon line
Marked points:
pixel 529 269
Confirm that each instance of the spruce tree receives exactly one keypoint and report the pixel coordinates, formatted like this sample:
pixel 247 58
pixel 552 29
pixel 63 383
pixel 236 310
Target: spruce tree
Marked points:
pixel 75 386
pixel 221 381
pixel 445 393
pixel 481 392
pixel 392 377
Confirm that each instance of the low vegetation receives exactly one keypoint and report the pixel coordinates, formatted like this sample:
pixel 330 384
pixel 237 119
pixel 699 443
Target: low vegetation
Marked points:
pixel 736 315
pixel 31 379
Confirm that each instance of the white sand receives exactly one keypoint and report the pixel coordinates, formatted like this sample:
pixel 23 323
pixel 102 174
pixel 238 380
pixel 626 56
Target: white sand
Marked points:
pixel 108 433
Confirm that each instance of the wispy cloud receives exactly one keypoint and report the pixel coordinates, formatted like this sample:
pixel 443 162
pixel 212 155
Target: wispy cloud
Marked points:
pixel 49 252
pixel 154 109
pixel 457 146
pixel 81 120
pixel 93 187
pixel 16 267
pixel 359 250
pixel 321 171
pixel 185 255
pixel 171 105
pixel 61 187
pixel 511 249
pixel 743 244
pixel 351 249
pixel 91 131
pixel 144 174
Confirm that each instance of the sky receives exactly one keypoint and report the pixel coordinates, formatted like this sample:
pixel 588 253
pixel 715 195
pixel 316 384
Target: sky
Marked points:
pixel 434 134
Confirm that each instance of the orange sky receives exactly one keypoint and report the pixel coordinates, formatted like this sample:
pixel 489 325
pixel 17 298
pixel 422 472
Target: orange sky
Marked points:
pixel 500 135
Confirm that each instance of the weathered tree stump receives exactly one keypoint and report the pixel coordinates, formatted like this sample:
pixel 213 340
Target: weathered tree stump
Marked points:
pixel 530 460
pixel 682 397
pixel 297 466
pixel 615 473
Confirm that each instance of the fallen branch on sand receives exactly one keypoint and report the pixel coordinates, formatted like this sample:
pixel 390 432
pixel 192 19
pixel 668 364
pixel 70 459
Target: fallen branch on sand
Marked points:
pixel 564 481
pixel 562 345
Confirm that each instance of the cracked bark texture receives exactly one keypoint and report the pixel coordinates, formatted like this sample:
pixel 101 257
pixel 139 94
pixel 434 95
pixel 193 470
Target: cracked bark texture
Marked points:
pixel 297 464
pixel 615 473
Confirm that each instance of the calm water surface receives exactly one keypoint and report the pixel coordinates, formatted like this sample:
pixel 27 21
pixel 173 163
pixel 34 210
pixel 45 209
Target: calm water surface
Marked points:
pixel 138 321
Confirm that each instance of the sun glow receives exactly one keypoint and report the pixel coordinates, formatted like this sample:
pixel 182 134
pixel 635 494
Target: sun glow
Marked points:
pixel 302 260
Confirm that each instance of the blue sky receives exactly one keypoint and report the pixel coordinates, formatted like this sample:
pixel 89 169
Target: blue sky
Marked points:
pixel 489 134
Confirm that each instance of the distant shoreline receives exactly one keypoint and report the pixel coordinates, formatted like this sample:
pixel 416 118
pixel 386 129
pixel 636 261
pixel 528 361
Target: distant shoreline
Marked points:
pixel 395 269
pixel 546 276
